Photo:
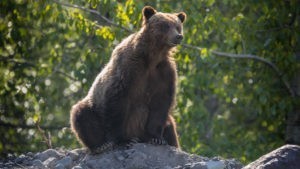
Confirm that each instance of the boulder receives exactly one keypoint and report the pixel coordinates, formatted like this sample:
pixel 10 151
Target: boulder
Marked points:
pixel 285 157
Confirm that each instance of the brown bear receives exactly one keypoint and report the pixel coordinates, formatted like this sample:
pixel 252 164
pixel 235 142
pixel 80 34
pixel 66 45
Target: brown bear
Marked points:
pixel 132 97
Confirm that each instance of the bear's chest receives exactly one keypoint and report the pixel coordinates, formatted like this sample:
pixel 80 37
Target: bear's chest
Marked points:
pixel 150 82
pixel 159 79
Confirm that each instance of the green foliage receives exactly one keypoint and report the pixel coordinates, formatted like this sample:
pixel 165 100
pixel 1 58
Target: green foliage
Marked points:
pixel 50 55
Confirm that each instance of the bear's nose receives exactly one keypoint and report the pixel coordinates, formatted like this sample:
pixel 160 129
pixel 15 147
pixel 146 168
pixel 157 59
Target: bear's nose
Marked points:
pixel 179 37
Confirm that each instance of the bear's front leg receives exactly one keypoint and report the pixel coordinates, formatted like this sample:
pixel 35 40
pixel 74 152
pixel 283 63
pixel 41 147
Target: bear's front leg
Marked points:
pixel 157 120
pixel 155 134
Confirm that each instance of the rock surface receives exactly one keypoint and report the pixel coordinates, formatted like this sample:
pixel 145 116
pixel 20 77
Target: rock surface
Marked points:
pixel 146 156
pixel 138 156
pixel 285 157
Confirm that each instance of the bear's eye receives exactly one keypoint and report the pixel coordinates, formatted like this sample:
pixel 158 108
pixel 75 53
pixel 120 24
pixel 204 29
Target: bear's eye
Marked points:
pixel 164 27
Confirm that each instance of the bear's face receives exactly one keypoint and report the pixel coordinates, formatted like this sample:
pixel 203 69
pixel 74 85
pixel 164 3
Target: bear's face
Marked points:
pixel 165 28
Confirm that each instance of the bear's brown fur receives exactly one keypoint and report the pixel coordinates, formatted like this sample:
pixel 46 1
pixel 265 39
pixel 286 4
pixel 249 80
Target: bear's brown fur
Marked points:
pixel 133 95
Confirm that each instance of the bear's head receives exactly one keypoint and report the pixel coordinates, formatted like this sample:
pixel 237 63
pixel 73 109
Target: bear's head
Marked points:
pixel 164 28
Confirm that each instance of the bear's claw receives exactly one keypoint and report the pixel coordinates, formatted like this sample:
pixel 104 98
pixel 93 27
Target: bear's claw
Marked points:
pixel 108 146
pixel 132 141
pixel 158 141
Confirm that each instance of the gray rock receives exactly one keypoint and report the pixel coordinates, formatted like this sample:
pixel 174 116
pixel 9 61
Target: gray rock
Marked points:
pixel 50 162
pixel 65 162
pixel 77 154
pixel 196 165
pixel 232 164
pixel 80 151
pixel 38 163
pixel 73 155
pixel 100 163
pixel 20 159
pixel 30 154
pixel 77 167
pixel 59 166
pixel 48 153
pixel 287 156
pixel 215 165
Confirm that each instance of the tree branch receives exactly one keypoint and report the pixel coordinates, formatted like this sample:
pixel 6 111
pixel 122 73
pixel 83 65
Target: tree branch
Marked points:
pixel 265 61
pixel 66 75
pixel 46 138
pixel 18 61
pixel 95 13
pixel 191 47
pixel 25 126
pixel 29 64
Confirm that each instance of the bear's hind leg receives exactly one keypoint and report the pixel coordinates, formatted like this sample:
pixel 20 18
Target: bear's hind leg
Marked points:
pixel 87 125
pixel 170 133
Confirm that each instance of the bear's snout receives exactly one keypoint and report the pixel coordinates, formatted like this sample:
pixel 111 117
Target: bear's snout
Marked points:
pixel 178 38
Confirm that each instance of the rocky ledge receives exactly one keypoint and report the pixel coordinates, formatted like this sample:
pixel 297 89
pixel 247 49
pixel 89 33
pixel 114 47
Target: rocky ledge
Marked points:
pixel 138 156
pixel 146 156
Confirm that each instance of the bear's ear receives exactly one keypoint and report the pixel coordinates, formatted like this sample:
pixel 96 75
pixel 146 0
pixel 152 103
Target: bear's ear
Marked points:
pixel 181 16
pixel 148 11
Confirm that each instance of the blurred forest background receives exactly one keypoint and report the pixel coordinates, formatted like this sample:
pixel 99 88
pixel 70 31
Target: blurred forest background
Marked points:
pixel 239 71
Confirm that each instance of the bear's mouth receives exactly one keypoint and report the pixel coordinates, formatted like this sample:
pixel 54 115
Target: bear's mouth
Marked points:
pixel 175 41
pixel 172 44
